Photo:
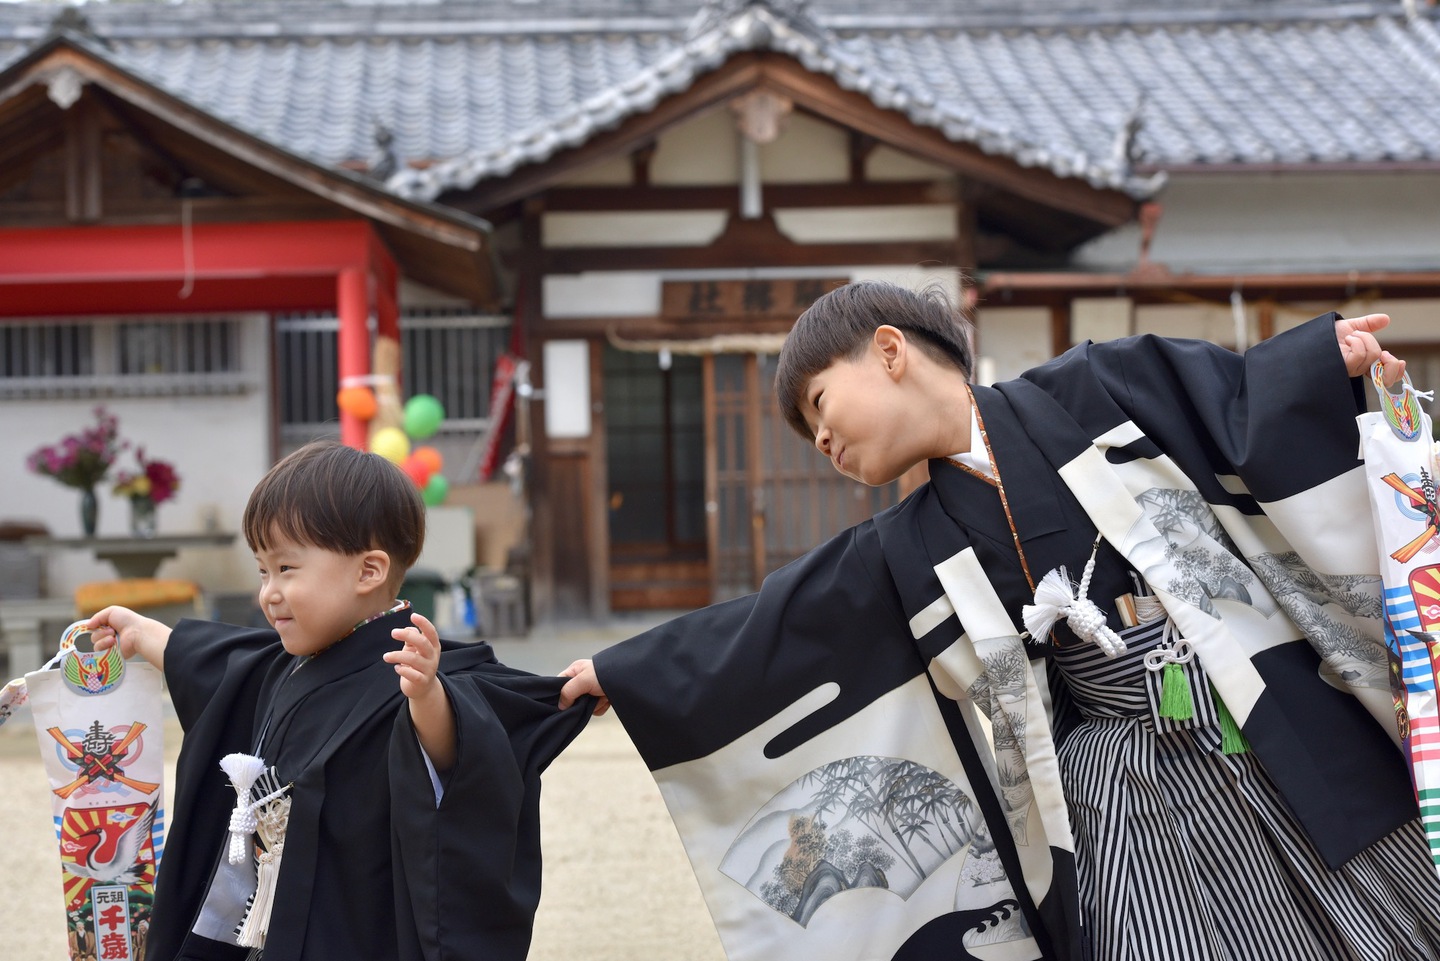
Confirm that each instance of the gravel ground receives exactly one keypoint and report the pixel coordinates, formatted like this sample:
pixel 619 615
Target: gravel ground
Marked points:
pixel 617 886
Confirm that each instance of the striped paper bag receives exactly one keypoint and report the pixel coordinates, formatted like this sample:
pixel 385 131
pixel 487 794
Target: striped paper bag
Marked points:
pixel 1399 452
pixel 99 721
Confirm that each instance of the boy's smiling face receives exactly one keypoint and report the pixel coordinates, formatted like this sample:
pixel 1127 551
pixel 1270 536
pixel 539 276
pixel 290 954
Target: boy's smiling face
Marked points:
pixel 312 596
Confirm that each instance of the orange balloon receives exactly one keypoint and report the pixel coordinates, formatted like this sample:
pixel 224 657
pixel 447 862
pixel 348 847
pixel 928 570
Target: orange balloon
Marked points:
pixel 417 470
pixel 431 457
pixel 357 402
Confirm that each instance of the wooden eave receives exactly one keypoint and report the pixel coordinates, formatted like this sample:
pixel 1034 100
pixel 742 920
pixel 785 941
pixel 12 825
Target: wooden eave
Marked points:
pixel 1154 284
pixel 1086 210
pixel 436 246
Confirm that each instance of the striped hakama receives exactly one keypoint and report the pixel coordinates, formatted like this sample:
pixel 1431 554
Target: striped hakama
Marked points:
pixel 1185 852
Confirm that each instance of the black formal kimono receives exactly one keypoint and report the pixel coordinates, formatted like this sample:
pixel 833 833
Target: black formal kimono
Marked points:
pixel 372 866
pixel 870 758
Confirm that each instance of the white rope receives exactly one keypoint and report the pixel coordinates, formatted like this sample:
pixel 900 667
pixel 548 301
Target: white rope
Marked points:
pixel 1056 600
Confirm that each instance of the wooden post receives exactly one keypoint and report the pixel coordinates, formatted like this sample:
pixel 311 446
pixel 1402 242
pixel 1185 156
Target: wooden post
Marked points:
pixel 755 469
pixel 712 475
pixel 82 163
pixel 527 321
pixel 1267 319
pixel 1059 327
pixel 597 507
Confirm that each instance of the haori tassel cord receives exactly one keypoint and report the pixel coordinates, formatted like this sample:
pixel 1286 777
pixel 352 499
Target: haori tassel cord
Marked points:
pixel 1056 599
pixel 272 815
pixel 243 770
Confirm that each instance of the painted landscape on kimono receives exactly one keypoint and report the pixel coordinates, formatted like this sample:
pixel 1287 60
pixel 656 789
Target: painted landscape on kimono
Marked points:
pixel 859 822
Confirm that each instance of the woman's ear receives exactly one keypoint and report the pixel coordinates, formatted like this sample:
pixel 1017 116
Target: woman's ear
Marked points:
pixel 891 348
pixel 374 571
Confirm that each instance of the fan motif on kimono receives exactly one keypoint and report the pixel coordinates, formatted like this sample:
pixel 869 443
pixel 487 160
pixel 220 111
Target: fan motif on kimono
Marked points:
pixel 859 822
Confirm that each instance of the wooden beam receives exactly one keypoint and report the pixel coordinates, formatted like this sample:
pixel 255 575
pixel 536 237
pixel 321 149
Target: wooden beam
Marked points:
pixel 824 195
pixel 1156 285
pixel 576 260
pixel 657 328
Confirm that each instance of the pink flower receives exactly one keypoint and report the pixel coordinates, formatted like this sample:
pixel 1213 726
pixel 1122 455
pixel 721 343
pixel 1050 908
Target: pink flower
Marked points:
pixel 81 461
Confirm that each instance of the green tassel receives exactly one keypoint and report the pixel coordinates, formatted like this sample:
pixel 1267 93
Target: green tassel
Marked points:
pixel 1232 739
pixel 1175 700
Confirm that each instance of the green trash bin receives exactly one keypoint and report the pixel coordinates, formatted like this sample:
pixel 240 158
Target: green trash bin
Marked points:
pixel 422 589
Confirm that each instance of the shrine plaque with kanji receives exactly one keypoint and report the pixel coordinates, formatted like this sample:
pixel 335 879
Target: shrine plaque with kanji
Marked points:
pixel 755 297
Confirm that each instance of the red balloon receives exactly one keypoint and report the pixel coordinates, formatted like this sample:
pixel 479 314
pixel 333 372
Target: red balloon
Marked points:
pixel 417 470
pixel 430 456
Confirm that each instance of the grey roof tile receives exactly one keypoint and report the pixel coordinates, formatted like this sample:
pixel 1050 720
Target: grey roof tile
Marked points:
pixel 476 89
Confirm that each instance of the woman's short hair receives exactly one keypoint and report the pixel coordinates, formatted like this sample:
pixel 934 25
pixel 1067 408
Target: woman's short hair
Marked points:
pixel 340 499
pixel 840 323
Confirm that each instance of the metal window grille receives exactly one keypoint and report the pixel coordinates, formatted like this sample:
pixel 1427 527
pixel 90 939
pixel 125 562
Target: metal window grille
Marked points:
pixel 447 352
pixel 119 358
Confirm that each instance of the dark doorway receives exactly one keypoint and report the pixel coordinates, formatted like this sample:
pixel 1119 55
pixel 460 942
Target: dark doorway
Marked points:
pixel 655 448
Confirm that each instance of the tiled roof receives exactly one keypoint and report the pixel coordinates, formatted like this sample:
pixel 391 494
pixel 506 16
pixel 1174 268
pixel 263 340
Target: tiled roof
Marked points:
pixel 473 90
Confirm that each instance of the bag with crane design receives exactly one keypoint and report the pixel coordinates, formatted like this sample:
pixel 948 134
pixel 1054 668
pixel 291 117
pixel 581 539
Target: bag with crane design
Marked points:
pixel 1398 446
pixel 99 719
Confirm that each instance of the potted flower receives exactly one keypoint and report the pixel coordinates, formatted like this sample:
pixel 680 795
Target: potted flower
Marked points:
pixel 82 461
pixel 154 483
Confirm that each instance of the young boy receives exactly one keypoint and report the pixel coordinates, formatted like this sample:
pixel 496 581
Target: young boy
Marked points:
pixel 412 828
pixel 1198 761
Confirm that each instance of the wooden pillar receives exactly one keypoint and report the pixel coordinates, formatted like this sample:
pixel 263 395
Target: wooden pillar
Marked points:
pixel 756 468
pixel 598 491
pixel 966 256
pixel 541 532
pixel 82 162
pixel 1059 327
pixel 352 306
pixel 712 475
pixel 1267 319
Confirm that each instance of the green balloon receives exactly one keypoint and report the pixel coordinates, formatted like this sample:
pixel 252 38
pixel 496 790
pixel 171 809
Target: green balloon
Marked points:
pixel 423 415
pixel 435 490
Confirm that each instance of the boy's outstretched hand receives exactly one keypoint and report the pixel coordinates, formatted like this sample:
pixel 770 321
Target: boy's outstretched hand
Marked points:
pixel 134 633
pixel 583 681
pixel 417 663
pixel 419 660
pixel 1361 350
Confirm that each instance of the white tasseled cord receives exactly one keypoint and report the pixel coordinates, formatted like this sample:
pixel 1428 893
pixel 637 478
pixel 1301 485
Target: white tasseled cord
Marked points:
pixel 242 769
pixel 1056 599
pixel 273 815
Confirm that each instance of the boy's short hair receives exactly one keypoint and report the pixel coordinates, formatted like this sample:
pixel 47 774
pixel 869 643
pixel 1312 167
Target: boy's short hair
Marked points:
pixel 840 323
pixel 340 499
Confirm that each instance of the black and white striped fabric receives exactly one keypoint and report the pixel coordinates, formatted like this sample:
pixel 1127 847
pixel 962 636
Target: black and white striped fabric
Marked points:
pixel 1185 853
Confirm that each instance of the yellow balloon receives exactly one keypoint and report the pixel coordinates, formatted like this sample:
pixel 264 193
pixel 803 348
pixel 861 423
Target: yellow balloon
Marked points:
pixel 391 444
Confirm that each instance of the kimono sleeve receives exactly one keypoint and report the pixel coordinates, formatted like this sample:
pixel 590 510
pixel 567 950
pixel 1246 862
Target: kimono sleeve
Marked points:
pixel 1281 416
pixel 467 872
pixel 203 659
pixel 697 683
pixel 807 709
